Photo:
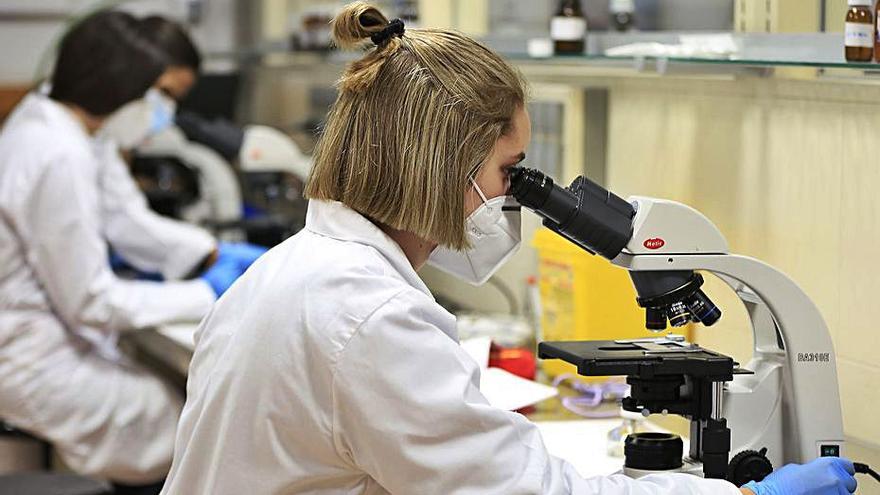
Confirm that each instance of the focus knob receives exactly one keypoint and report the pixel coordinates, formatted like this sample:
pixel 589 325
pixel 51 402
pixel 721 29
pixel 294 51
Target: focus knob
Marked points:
pixel 749 465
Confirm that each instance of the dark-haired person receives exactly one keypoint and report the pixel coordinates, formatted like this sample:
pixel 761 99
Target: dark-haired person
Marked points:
pixel 180 76
pixel 184 59
pixel 61 306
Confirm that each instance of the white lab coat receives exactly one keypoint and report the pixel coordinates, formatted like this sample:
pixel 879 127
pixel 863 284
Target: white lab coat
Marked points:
pixel 328 368
pixel 63 197
pixel 146 240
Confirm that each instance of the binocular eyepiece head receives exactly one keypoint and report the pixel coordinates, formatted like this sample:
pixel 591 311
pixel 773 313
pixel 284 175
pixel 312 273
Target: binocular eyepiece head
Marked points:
pixel 600 222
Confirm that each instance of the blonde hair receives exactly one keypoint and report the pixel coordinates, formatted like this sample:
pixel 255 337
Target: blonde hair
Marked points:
pixel 416 117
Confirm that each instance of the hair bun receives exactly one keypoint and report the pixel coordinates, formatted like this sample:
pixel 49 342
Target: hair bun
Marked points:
pixel 356 22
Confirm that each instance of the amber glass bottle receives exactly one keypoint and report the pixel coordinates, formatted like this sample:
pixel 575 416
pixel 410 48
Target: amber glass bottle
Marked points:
pixel 859 37
pixel 568 28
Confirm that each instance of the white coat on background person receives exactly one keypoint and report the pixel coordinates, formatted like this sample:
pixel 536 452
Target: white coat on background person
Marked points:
pixel 144 239
pixel 58 296
pixel 147 241
pixel 65 196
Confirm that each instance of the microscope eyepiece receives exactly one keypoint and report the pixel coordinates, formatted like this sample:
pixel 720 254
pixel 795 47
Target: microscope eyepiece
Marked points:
pixel 584 212
pixel 530 187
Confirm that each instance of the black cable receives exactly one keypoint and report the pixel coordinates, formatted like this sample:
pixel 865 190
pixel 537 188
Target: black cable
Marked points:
pixel 865 469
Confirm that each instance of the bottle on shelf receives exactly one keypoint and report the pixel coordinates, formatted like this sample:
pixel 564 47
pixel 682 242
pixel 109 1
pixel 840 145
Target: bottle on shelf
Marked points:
pixel 623 14
pixel 859 32
pixel 568 28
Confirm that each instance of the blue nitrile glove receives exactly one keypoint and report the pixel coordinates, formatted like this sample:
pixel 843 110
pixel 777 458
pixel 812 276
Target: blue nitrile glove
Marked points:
pixel 232 260
pixel 823 476
pixel 242 253
pixel 221 274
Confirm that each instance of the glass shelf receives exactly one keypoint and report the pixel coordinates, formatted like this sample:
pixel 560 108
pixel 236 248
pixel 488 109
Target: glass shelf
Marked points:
pixel 712 61
pixel 748 54
pixel 662 51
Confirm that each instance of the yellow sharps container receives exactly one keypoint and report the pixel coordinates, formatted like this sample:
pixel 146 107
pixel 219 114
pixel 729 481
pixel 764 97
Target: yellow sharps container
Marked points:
pixel 584 297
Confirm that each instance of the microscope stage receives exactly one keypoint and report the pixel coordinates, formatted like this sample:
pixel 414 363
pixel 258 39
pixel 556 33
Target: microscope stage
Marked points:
pixel 644 358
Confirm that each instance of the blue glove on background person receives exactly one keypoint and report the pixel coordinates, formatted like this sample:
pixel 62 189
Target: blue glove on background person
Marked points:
pixel 241 253
pixel 823 476
pixel 233 259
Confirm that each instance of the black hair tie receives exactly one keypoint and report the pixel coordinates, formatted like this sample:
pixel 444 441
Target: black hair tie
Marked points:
pixel 394 28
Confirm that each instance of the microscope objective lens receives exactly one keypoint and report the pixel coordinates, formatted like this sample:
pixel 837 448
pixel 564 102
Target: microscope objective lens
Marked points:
pixel 655 319
pixel 678 314
pixel 702 309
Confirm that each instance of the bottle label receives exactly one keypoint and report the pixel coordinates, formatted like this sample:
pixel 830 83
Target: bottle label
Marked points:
pixel 859 35
pixel 568 28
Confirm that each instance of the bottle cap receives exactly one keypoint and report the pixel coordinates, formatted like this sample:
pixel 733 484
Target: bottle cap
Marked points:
pixel 620 6
pixel 540 48
pixel 861 3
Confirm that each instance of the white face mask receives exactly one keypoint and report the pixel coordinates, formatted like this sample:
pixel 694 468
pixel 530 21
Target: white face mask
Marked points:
pixel 494 232
pixel 135 121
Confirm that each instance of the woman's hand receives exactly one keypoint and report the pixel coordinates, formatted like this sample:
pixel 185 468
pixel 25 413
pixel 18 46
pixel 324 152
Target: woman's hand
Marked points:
pixel 823 476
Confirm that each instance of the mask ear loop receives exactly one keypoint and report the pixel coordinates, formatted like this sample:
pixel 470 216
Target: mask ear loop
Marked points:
pixel 479 191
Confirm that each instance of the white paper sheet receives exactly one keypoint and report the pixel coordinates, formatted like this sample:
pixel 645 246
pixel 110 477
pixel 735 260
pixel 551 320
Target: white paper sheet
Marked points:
pixel 478 349
pixel 502 388
pixel 508 391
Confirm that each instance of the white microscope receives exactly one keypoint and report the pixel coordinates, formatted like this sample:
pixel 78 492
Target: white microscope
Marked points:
pixel 254 149
pixel 782 407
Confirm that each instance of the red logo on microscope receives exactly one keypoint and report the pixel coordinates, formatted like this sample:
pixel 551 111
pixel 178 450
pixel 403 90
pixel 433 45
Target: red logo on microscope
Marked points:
pixel 655 243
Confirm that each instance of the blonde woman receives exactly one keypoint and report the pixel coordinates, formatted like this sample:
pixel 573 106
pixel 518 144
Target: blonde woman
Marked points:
pixel 328 368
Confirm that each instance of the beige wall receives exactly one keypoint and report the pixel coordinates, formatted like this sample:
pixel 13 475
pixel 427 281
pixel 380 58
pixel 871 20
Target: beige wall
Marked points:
pixel 778 16
pixel 835 14
pixel 789 172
